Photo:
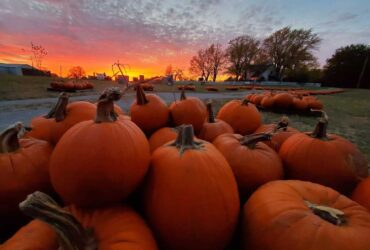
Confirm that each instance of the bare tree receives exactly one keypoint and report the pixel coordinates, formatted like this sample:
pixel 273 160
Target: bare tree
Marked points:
pixel 38 54
pixel 76 72
pixel 217 59
pixel 198 64
pixel 290 48
pixel 240 53
pixel 178 74
pixel 169 70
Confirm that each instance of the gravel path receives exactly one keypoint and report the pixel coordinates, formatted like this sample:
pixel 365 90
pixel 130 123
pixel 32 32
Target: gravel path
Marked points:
pixel 24 110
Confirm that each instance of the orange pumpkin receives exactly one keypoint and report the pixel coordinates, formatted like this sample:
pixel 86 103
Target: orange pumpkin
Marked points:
pixel 24 167
pixel 280 132
pixel 253 162
pixel 267 102
pixel 323 158
pixel 242 116
pixel 300 104
pixel 61 117
pixel 189 110
pixel 161 137
pixel 283 100
pixel 102 161
pixel 362 193
pixel 299 215
pixel 117 227
pixel 149 112
pixel 213 127
pixel 191 184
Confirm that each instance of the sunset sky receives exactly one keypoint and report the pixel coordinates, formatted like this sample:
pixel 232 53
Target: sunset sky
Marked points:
pixel 151 34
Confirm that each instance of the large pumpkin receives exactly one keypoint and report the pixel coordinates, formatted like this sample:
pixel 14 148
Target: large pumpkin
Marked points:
pixel 327 159
pixel 24 167
pixel 280 132
pixel 301 215
pixel 161 137
pixel 242 116
pixel 117 227
pixel 61 117
pixel 149 112
pixel 213 127
pixel 189 110
pixel 283 100
pixel 253 162
pixel 101 161
pixel 191 197
pixel 361 194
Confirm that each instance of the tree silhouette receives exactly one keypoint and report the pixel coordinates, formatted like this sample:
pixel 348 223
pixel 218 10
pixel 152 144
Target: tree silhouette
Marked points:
pixel 76 72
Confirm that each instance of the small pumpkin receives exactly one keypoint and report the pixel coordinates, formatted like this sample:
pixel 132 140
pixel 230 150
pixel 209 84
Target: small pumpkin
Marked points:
pixel 280 131
pixel 242 116
pixel 149 112
pixel 161 137
pixel 61 117
pixel 253 162
pixel 267 102
pixel 361 194
pixel 213 127
pixel 191 184
pixel 327 159
pixel 189 110
pixel 299 215
pixel 300 104
pixel 116 227
pixel 101 161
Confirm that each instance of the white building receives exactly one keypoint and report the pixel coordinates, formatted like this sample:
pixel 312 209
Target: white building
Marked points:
pixel 13 69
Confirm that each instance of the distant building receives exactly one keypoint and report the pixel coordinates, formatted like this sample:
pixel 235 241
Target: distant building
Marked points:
pixel 14 69
pixel 135 79
pixel 261 72
pixel 141 78
pixel 100 76
pixel 122 79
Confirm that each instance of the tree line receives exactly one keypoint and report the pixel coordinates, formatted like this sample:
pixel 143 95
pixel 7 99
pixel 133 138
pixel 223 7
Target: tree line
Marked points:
pixel 290 52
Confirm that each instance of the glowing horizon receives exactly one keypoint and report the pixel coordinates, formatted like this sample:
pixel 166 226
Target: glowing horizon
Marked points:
pixel 149 35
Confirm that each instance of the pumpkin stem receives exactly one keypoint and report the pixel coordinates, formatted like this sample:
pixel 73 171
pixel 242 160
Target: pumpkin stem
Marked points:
pixel 321 126
pixel 211 116
pixel 183 97
pixel 9 137
pixel 245 102
pixel 282 124
pixel 185 139
pixel 105 108
pixel 140 96
pixel 71 234
pixel 59 110
pixel 331 215
pixel 251 140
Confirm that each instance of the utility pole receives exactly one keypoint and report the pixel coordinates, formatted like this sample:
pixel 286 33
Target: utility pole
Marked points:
pixel 363 70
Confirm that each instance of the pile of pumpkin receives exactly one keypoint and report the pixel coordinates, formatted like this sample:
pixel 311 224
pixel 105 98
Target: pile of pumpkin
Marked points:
pixel 146 182
pixel 285 101
pixel 186 87
pixel 71 85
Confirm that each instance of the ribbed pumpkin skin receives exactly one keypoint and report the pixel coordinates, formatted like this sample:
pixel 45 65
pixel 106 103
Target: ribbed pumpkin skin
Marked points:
pixel 283 100
pixel 279 137
pixel 252 167
pixel 299 104
pixel 243 118
pixel 161 137
pixel 118 228
pixel 361 194
pixel 277 218
pixel 267 102
pixel 97 163
pixel 335 163
pixel 23 172
pixel 189 111
pixel 52 131
pixel 191 201
pixel 150 116
pixel 257 99
pixel 210 131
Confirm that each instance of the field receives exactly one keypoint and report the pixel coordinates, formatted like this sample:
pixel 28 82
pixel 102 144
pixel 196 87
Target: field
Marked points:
pixel 349 112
